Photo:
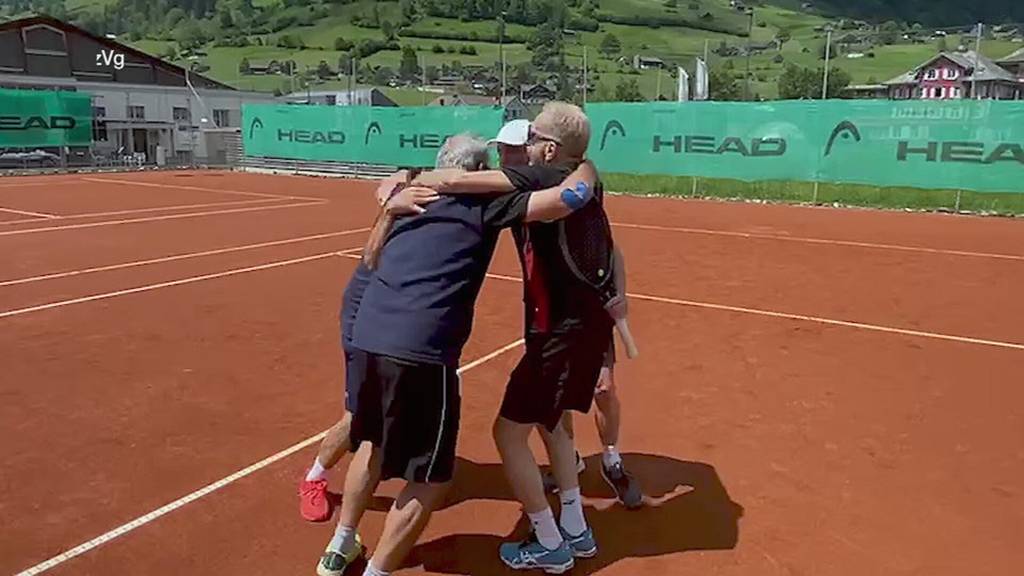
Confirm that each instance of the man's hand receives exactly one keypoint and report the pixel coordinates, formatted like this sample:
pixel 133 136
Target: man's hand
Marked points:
pixel 387 186
pixel 410 201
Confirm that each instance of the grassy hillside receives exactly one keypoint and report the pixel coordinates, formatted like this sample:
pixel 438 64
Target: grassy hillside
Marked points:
pixel 677 45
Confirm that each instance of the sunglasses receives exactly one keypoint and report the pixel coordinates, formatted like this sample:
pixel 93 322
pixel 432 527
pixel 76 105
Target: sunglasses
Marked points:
pixel 533 137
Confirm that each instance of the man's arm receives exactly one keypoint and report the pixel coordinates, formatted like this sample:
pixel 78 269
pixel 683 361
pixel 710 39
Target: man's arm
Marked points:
pixel 618 307
pixel 454 181
pixel 386 187
pixel 410 201
pixel 560 201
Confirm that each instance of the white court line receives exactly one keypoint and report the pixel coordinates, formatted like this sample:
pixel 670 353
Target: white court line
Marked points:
pixel 817 319
pixel 153 209
pixel 27 213
pixel 60 183
pixel 164 217
pixel 179 257
pixel 213 487
pixel 197 188
pixel 825 241
pixel 190 280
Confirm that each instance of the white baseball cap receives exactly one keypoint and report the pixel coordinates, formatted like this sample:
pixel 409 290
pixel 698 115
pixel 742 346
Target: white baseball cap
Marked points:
pixel 513 133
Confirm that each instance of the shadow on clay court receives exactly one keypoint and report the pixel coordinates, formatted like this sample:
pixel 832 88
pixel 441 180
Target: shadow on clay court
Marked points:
pixel 686 508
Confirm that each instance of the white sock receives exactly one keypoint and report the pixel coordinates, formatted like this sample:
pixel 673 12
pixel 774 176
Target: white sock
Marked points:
pixel 611 456
pixel 572 519
pixel 316 472
pixel 371 571
pixel 344 540
pixel 544 526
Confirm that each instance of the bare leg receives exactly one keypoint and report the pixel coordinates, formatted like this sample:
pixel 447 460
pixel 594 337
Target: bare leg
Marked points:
pixel 360 482
pixel 608 409
pixel 562 454
pixel 567 423
pixel 520 466
pixel 336 443
pixel 405 523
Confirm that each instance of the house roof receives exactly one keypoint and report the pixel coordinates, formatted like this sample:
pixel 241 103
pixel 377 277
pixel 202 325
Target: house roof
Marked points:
pixel 1015 58
pixel 113 44
pixel 987 69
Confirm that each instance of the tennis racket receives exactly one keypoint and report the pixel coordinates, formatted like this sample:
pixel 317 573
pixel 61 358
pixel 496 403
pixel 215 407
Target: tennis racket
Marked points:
pixel 585 238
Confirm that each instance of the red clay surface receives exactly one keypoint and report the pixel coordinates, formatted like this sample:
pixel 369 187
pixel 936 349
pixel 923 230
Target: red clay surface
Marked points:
pixel 778 446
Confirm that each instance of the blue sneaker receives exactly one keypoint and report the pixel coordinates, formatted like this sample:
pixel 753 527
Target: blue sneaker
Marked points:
pixel 530 554
pixel 582 546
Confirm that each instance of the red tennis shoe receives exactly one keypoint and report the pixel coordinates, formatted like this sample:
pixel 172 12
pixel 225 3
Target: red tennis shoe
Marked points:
pixel 314 505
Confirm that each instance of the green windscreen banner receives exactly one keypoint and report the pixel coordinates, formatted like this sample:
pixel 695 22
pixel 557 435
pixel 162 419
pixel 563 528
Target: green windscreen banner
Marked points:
pixel 38 118
pixel 966 144
pixel 373 135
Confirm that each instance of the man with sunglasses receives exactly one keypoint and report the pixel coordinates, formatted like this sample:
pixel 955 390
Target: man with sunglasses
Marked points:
pixel 567 335
pixel 511 142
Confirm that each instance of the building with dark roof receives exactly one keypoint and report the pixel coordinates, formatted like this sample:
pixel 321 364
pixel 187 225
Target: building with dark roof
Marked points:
pixel 142 104
pixel 956 75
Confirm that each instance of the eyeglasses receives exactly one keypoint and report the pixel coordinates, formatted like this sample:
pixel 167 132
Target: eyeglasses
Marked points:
pixel 534 137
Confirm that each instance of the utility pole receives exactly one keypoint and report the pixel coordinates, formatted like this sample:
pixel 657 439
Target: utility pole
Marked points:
pixel 828 54
pixel 750 32
pixel 585 86
pixel 501 51
pixel 977 56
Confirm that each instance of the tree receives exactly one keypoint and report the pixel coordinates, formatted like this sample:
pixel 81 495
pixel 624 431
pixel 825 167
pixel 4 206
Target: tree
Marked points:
pixel 388 29
pixel 409 68
pixel 432 74
pixel 342 45
pixel 610 45
pixel 628 91
pixel 798 83
pixel 323 70
pixel 890 32
pixel 291 42
pixel 437 49
pixel 382 75
pixel 546 43
pixel 345 62
pixel 408 10
pixel 189 34
pixel 783 35
pixel 723 85
pixel 243 67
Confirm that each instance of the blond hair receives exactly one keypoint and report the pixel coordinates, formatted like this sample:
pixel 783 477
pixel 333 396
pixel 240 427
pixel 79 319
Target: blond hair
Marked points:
pixel 568 124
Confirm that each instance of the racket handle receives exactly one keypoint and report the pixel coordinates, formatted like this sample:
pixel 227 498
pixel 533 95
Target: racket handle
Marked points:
pixel 627 338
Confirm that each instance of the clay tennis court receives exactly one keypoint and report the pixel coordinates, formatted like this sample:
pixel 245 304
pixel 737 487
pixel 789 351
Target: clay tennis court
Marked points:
pixel 819 391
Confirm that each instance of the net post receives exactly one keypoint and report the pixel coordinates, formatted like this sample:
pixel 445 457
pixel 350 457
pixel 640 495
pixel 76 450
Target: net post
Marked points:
pixel 957 207
pixel 814 198
pixel 693 192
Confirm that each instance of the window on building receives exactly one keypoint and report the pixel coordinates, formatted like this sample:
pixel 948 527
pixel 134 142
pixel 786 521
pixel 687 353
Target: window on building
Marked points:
pixel 181 114
pixel 958 92
pixel 950 73
pixel 99 131
pixel 137 112
pixel 222 118
pixel 932 74
pixel 99 112
pixel 938 93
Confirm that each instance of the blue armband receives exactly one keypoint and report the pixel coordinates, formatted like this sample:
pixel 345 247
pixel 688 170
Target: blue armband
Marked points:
pixel 576 198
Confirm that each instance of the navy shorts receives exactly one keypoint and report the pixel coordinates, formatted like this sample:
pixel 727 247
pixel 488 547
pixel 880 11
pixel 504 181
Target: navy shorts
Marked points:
pixel 355 376
pixel 410 412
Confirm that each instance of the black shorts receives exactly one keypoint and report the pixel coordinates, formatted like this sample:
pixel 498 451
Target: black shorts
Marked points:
pixel 609 356
pixel 355 375
pixel 410 412
pixel 558 372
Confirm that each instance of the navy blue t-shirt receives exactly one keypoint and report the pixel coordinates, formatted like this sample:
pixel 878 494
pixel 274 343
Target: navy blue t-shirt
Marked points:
pixel 350 301
pixel 418 305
